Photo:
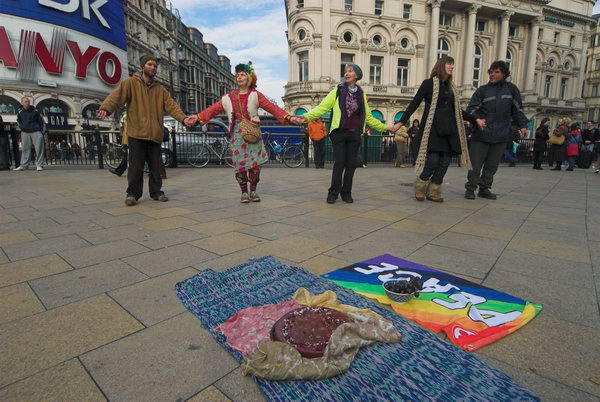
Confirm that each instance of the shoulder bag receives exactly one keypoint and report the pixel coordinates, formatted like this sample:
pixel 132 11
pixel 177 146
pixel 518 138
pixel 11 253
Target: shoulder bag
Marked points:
pixel 250 130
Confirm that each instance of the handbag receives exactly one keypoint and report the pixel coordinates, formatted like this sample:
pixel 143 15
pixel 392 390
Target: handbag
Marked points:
pixel 557 139
pixel 250 130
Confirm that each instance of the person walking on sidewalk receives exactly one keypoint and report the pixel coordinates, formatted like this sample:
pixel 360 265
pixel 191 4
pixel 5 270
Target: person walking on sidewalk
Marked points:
pixel 32 127
pixel 539 146
pixel 317 133
pixel 558 147
pixel 147 102
pixel 443 133
pixel 499 103
pixel 351 114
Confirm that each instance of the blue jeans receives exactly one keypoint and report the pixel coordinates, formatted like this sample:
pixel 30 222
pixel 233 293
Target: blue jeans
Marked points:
pixel 571 161
pixel 510 156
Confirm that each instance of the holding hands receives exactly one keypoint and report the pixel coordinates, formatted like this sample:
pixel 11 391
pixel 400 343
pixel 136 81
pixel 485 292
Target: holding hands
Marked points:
pixel 395 127
pixel 102 114
pixel 481 124
pixel 190 121
pixel 298 120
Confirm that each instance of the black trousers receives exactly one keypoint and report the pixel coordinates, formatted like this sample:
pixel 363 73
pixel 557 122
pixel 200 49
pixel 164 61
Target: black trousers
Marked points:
pixel 345 149
pixel 538 158
pixel 123 165
pixel 485 158
pixel 436 166
pixel 141 152
pixel 319 153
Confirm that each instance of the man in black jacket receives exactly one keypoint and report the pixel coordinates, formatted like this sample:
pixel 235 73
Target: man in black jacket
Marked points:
pixel 498 103
pixel 32 127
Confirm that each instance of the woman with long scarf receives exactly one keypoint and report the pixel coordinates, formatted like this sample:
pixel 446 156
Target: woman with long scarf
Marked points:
pixel 443 133
pixel 351 114
pixel 239 105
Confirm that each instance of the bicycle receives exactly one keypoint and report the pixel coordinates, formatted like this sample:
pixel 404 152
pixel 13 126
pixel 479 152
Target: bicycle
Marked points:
pixel 200 154
pixel 291 155
pixel 114 154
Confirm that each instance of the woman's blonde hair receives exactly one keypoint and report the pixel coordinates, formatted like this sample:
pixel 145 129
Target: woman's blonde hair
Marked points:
pixel 565 121
pixel 439 69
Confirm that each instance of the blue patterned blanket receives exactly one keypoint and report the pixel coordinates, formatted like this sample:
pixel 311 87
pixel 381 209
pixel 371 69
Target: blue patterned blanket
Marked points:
pixel 420 367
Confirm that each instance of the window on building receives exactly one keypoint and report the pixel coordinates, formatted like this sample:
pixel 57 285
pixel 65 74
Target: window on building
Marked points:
pixel 443 48
pixel 597 64
pixel 377 40
pixel 480 25
pixel 378 7
pixel 595 90
pixel 591 115
pixel 407 11
pixel 478 54
pixel 509 59
pixel 446 19
pixel 301 34
pixel 564 84
pixel 347 36
pixel 567 65
pixel 303 66
pixel 540 34
pixel 346 58
pixel 404 43
pixel 572 41
pixel 376 70
pixel 403 70
pixel 300 3
pixel 551 63
pixel 548 86
pixel 348 5
pixel 512 30
pixel 556 37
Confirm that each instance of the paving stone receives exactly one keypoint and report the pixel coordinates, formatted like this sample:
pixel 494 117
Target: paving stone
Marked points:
pixel 272 230
pixel 322 264
pixel 6 239
pixel 217 227
pixel 166 212
pixel 3 257
pixel 295 248
pixel 240 388
pixel 254 217
pixel 567 302
pixel 18 301
pixel 126 210
pixel 35 343
pixel 550 249
pixel 32 225
pixel 453 260
pixel 306 221
pixel 491 232
pixel 210 394
pixel 228 243
pixel 83 216
pixel 32 268
pixel 71 286
pixel 87 256
pixel 167 238
pixel 387 216
pixel 423 227
pixel 465 242
pixel 153 300
pixel 163 362
pixel 7 219
pixel 174 222
pixel 168 259
pixel 37 248
pixel 67 381
pixel 67 229
pixel 335 213
pixel 552 348
pixel 122 220
pixel 112 234
pixel 230 260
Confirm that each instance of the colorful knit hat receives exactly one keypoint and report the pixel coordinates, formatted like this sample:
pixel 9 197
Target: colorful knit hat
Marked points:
pixel 249 70
pixel 146 58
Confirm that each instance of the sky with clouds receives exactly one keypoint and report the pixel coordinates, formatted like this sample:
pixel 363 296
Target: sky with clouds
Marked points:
pixel 245 30
pixel 248 30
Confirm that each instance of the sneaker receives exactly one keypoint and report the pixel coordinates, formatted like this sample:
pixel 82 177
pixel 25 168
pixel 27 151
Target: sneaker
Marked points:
pixel 18 169
pixel 39 168
pixel 347 198
pixel 130 201
pixel 245 199
pixel 254 196
pixel 161 198
pixel 597 171
pixel 486 193
pixel 470 195
pixel 113 171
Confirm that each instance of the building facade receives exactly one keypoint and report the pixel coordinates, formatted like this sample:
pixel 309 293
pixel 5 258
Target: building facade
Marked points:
pixel 592 82
pixel 396 43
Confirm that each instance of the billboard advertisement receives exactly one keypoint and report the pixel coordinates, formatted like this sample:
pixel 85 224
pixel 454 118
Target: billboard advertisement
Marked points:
pixel 76 44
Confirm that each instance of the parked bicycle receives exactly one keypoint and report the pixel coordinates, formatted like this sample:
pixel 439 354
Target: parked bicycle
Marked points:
pixel 200 154
pixel 290 154
pixel 113 154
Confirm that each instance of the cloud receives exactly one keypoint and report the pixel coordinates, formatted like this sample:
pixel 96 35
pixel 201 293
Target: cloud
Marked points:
pixel 209 5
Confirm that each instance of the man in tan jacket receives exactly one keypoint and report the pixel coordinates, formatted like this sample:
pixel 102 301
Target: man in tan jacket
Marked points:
pixel 147 102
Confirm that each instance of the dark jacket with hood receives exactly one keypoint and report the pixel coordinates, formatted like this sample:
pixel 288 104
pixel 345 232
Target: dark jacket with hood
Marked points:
pixel 30 120
pixel 499 104
pixel 542 135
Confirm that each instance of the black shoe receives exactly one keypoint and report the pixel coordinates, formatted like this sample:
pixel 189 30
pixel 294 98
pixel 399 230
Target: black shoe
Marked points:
pixel 556 168
pixel 470 195
pixel 486 193
pixel 347 198
pixel 113 171
pixel 161 198
pixel 569 169
pixel 512 164
pixel 331 198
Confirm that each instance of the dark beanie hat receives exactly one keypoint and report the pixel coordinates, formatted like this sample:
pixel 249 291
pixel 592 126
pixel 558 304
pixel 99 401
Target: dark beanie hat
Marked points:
pixel 357 70
pixel 146 58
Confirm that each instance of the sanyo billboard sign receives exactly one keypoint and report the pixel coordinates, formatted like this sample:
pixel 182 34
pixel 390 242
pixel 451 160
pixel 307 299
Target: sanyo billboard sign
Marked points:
pixel 72 43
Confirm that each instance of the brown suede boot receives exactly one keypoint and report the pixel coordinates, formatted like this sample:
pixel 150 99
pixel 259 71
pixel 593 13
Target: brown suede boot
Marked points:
pixel 421 189
pixel 434 193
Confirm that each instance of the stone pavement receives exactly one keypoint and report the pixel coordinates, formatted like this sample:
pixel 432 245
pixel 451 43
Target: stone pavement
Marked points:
pixel 88 311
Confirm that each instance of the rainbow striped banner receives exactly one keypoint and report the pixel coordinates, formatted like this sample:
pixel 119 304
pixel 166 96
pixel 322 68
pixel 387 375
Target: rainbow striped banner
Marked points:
pixel 471 315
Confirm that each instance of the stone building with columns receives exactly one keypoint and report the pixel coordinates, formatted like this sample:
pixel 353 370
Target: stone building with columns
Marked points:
pixel 591 88
pixel 396 42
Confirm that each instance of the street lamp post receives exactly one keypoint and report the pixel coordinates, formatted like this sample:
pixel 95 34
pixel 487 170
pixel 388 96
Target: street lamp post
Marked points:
pixel 169 46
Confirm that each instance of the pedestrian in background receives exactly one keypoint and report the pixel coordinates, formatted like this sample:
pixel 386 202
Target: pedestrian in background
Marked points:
pixel 558 148
pixel 147 102
pixel 413 135
pixel 573 141
pixel 317 133
pixel 499 103
pixel 541 143
pixel 401 138
pixel 119 170
pixel 512 147
pixel 32 127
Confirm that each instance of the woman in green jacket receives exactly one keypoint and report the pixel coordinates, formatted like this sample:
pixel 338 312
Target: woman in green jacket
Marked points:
pixel 351 113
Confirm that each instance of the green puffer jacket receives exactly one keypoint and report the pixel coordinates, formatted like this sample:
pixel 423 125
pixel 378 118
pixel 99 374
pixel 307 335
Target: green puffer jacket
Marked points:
pixel 332 101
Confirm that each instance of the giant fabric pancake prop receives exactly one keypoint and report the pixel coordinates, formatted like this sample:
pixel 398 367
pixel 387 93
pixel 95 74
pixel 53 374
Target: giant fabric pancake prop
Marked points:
pixel 471 315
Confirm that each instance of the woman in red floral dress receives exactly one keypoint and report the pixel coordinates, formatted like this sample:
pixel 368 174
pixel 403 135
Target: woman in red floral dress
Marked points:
pixel 247 157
